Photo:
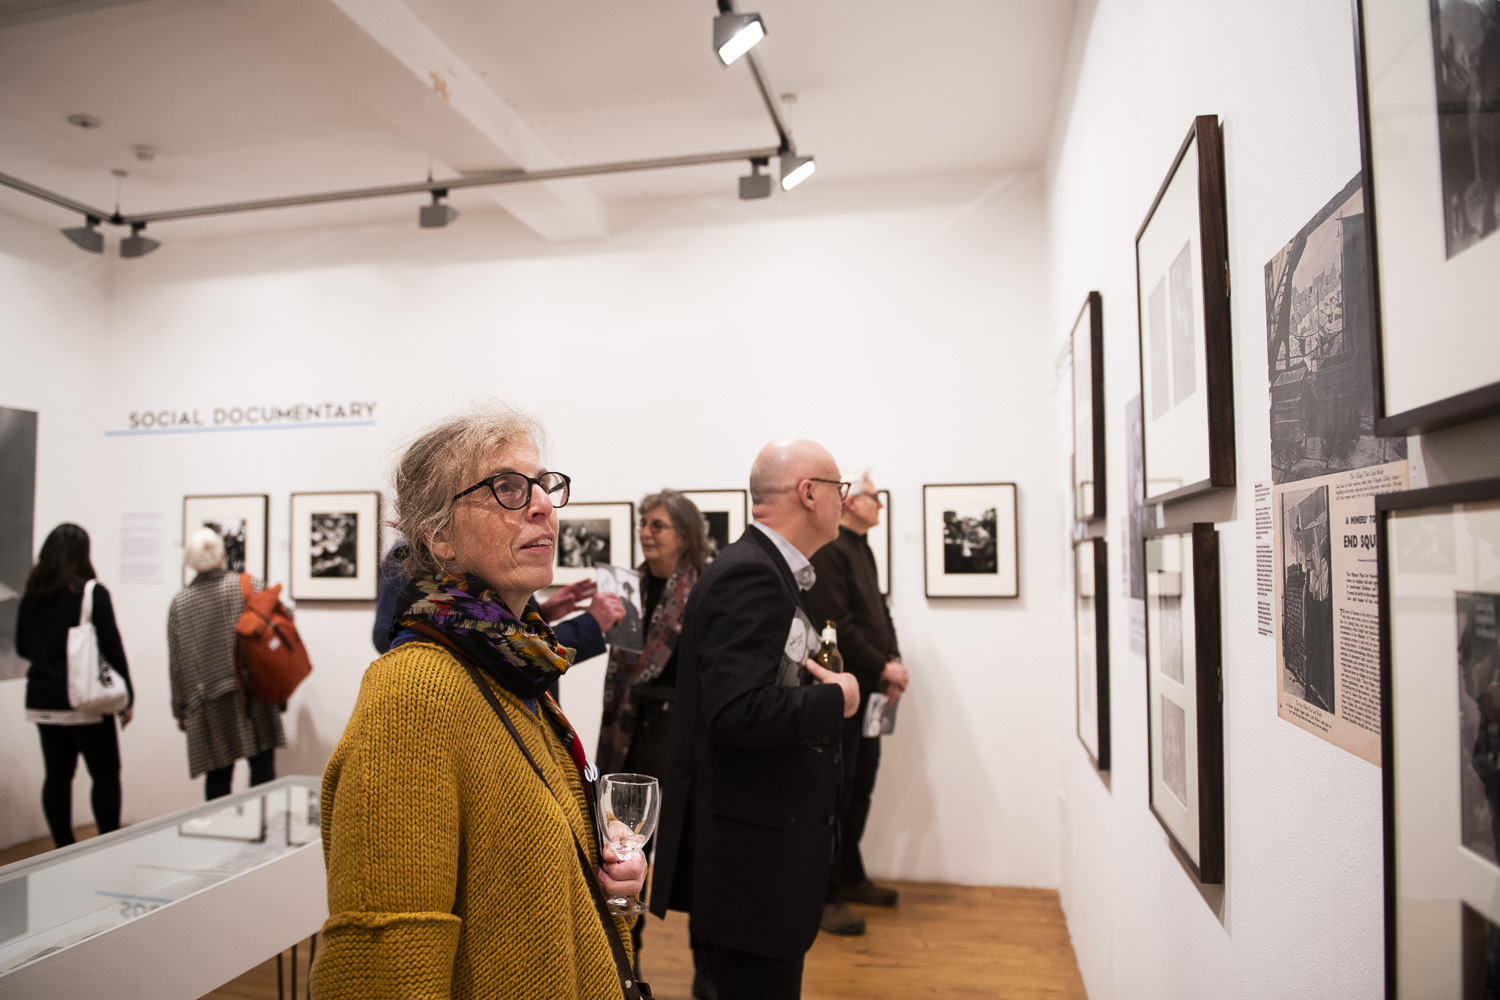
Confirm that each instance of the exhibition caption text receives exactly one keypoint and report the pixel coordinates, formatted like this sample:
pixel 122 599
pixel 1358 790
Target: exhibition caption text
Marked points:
pixel 358 413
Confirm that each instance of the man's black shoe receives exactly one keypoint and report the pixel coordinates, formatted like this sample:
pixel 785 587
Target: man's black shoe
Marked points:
pixel 868 893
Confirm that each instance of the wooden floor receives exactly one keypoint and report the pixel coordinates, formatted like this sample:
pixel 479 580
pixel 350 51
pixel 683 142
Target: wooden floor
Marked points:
pixel 947 941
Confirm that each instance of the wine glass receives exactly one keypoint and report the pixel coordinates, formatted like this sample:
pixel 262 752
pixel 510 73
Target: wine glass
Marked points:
pixel 628 809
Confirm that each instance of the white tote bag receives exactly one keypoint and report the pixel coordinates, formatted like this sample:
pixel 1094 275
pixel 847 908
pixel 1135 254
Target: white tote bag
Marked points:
pixel 93 685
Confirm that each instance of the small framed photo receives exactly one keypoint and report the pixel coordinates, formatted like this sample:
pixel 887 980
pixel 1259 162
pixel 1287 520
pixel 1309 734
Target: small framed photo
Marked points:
pixel 1185 726
pixel 879 538
pixel 240 519
pixel 335 550
pixel 593 534
pixel 1091 642
pixel 1088 410
pixel 727 513
pixel 1439 593
pixel 1182 302
pixel 1427 85
pixel 969 540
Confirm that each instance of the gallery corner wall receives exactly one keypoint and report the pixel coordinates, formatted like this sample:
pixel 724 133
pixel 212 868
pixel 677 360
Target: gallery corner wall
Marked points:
pixel 1300 911
pixel 902 324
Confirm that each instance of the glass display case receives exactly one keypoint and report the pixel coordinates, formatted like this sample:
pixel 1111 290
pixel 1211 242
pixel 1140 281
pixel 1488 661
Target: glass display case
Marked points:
pixel 172 907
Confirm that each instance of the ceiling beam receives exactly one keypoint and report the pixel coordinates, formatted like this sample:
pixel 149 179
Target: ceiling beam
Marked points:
pixel 382 54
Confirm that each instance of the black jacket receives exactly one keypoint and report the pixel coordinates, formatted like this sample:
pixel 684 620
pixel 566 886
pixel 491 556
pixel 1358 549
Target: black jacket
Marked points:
pixel 746 833
pixel 42 625
pixel 848 594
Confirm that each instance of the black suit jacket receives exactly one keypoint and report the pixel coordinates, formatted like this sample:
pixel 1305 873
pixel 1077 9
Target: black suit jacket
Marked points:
pixel 746 833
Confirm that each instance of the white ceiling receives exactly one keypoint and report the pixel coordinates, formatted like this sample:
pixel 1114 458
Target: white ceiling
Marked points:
pixel 262 98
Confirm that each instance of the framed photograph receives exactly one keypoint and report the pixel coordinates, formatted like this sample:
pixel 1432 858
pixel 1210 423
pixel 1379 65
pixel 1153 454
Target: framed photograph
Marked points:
pixel 17 519
pixel 1439 593
pixel 1182 304
pixel 1428 82
pixel 727 513
pixel 1091 642
pixel 879 538
pixel 1088 410
pixel 969 540
pixel 593 534
pixel 1185 727
pixel 335 546
pixel 240 519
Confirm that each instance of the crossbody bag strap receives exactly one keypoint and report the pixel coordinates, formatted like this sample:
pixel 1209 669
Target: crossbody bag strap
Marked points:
pixel 633 990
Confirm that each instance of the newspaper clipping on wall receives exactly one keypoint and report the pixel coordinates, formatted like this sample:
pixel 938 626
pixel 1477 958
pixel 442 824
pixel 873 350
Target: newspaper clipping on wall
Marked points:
pixel 1327 465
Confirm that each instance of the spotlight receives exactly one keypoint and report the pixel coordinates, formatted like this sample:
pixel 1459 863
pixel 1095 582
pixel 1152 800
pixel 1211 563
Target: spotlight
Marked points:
pixel 86 237
pixel 735 34
pixel 437 215
pixel 795 169
pixel 757 185
pixel 136 245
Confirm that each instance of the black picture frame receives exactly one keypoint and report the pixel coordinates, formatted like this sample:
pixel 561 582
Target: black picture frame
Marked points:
pixel 1417 598
pixel 728 502
pixel 619 549
pixel 1089 484
pixel 1205 784
pixel 1213 467
pixel 1002 578
pixel 361 585
pixel 255 508
pixel 1091 631
pixel 1462 404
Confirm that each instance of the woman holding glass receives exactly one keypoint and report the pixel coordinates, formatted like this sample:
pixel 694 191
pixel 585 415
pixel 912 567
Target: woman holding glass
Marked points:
pixel 458 826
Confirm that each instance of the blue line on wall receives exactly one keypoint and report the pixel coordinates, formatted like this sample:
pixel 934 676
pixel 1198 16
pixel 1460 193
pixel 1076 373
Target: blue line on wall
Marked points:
pixel 237 427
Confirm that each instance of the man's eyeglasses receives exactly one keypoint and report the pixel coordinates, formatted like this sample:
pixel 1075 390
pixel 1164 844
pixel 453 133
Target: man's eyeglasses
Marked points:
pixel 843 486
pixel 656 527
pixel 512 490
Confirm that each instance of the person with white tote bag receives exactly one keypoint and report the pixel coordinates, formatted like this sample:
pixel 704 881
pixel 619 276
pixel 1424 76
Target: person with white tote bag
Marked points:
pixel 78 681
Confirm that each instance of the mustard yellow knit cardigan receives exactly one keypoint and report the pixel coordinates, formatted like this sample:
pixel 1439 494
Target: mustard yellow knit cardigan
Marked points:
pixel 451 868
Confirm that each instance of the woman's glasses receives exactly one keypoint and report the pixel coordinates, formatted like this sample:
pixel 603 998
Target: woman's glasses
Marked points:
pixel 656 527
pixel 513 490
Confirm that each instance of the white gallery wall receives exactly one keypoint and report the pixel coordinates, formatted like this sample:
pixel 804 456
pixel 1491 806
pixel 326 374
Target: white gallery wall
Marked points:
pixel 1300 911
pixel 904 325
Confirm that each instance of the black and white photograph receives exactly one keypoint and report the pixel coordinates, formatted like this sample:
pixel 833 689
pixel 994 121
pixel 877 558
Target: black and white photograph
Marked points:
pixel 1466 66
pixel 1428 85
pixel 17 524
pixel 591 535
pixel 1479 721
pixel 1440 741
pixel 727 513
pixel 1481 956
pixel 1320 347
pixel 335 551
pixel 1087 340
pixel 1185 714
pixel 970 540
pixel 1183 310
pixel 1138 519
pixel 1307 597
pixel 1091 645
pixel 240 519
pixel 630 632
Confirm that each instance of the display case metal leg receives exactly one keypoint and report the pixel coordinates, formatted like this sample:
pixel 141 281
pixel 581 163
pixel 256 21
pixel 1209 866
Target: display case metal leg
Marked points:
pixel 294 970
pixel 312 952
pixel 280 985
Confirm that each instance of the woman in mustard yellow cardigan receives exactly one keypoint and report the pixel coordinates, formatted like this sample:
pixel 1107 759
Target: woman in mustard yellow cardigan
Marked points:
pixel 457 826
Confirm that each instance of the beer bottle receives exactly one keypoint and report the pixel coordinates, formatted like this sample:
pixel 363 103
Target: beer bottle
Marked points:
pixel 828 656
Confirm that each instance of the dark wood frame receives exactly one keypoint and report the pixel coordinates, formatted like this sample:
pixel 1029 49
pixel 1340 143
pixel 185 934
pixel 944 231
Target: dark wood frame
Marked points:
pixel 1209 681
pixel 635 537
pixel 1218 358
pixel 744 498
pixel 1093 304
pixel 1101 648
pixel 291 506
pixel 1471 404
pixel 1478 491
pixel 265 500
pixel 1016 534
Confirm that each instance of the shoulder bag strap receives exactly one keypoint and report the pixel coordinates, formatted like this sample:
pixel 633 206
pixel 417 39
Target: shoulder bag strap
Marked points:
pixel 86 615
pixel 633 990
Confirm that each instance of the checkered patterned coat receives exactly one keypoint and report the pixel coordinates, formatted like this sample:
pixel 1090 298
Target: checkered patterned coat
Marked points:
pixel 222 725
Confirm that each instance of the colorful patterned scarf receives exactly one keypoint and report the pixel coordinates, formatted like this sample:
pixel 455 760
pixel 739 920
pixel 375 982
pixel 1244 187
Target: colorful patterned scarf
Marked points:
pixel 628 670
pixel 523 654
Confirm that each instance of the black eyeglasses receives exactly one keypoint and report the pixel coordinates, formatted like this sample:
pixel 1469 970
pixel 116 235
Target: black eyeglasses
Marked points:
pixel 656 527
pixel 512 490
pixel 843 486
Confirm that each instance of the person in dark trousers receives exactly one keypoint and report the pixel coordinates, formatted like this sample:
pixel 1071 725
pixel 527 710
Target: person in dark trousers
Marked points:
pixel 222 722
pixel 52 604
pixel 848 594
pixel 753 770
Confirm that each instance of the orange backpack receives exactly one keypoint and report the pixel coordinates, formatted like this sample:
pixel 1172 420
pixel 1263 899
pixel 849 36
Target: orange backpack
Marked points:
pixel 273 660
